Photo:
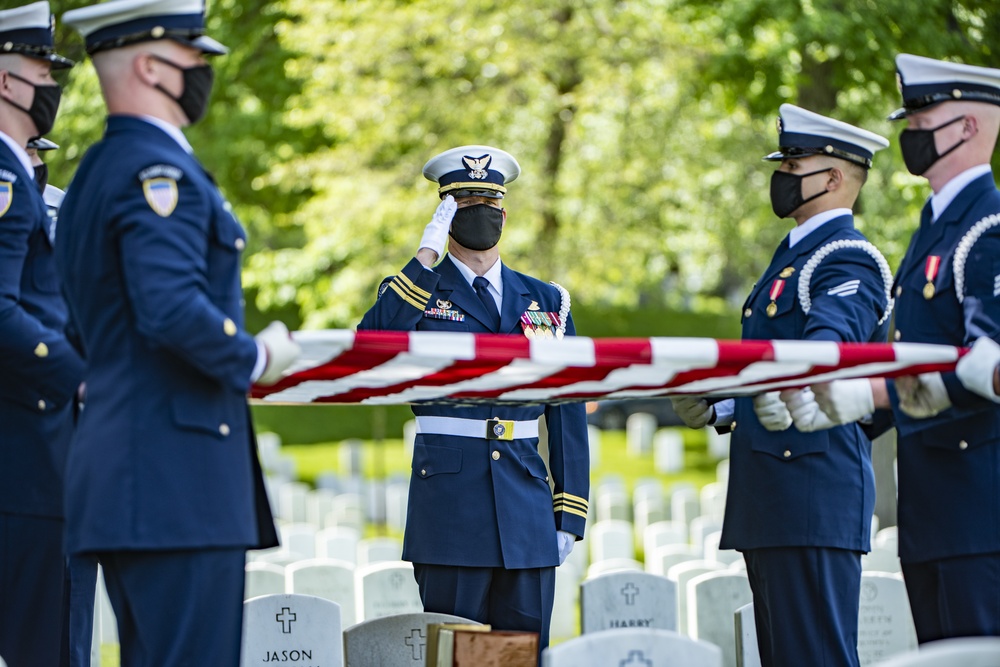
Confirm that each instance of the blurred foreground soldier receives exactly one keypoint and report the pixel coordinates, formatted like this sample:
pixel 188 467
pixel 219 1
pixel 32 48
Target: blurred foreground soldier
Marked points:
pixel 799 505
pixel 947 292
pixel 163 481
pixel 484 529
pixel 40 370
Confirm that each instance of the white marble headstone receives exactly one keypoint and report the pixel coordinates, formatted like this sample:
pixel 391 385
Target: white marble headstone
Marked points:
pixel 668 451
pixel 385 589
pixel 328 579
pixel 293 630
pixel 395 641
pixel 611 539
pixel 639 430
pixel 628 600
pixel 635 647
pixel 747 651
pixel 712 600
pixel 885 625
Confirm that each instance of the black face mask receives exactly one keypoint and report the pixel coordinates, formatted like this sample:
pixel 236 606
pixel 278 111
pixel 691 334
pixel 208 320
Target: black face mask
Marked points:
pixel 477 227
pixel 43 107
pixel 42 176
pixel 919 149
pixel 786 192
pixel 198 80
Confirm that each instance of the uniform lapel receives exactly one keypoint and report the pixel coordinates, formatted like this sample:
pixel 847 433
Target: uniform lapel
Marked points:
pixel 456 289
pixel 516 300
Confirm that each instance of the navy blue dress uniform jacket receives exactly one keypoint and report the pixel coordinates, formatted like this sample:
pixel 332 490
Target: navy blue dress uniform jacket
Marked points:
pixel 40 370
pixel 466 507
pixel 149 251
pixel 787 488
pixel 949 464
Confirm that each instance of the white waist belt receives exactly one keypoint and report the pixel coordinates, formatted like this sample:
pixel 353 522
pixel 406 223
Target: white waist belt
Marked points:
pixel 491 429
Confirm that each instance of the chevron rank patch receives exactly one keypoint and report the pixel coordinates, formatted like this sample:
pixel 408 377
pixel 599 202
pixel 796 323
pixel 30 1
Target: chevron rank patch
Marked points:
pixel 6 196
pixel 850 288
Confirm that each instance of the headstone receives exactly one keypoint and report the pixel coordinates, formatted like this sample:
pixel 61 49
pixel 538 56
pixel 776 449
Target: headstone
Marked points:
pixel 567 599
pixel 268 448
pixel 329 481
pixel 718 444
pixel 292 501
pixel 611 539
pixel 612 504
pixel 668 451
pixel 713 598
pixel 885 625
pixel 351 451
pixel 385 589
pixel 716 555
pixel 291 629
pixel 395 641
pixel 701 526
pixel 339 543
pixel 628 600
pixel 880 560
pixel 649 511
pixel 298 538
pixel 648 488
pixel 722 473
pixel 348 510
pixel 661 534
pixel 639 430
pixel 379 550
pixel 319 503
pixel 279 556
pixel 713 500
pixel 397 496
pixel 375 501
pixel 594 440
pixel 747 651
pixel 682 573
pixel 328 579
pixel 959 652
pixel 663 558
pixel 263 579
pixel 613 565
pixel 887 538
pixel 635 647
pixel 684 505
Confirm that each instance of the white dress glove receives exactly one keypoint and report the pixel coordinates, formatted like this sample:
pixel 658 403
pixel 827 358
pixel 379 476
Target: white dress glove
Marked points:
pixel 806 413
pixel 771 411
pixel 922 396
pixel 436 231
pixel 565 542
pixel 693 410
pixel 975 370
pixel 281 351
pixel 845 401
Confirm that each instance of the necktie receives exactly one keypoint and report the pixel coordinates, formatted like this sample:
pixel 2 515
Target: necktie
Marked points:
pixel 481 285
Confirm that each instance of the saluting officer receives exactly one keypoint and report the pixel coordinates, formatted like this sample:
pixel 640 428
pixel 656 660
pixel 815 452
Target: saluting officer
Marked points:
pixel 799 505
pixel 947 292
pixel 484 528
pixel 163 481
pixel 40 370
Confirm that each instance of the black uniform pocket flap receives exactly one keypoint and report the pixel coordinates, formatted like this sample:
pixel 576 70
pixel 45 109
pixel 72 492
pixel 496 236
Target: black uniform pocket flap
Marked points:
pixel 430 460
pixel 535 466
pixel 791 444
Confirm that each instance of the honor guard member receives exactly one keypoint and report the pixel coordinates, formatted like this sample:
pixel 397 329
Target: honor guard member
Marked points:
pixel 40 369
pixel 52 195
pixel 163 481
pixel 946 290
pixel 799 505
pixel 486 527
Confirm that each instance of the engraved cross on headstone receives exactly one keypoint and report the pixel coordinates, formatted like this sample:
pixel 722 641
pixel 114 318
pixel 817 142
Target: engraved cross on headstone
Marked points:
pixel 635 659
pixel 630 591
pixel 286 617
pixel 416 641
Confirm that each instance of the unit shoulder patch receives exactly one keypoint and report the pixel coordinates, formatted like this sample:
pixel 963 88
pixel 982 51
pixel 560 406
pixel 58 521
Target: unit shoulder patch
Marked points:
pixel 6 196
pixel 161 171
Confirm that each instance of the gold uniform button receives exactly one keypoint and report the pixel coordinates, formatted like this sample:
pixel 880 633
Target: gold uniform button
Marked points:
pixel 748 312
pixel 898 335
pixel 240 244
pixel 41 405
pixel 962 444
pixel 496 455
pixel 899 290
pixel 41 350
pixel 732 427
pixel 224 429
pixel 788 453
pixel 229 327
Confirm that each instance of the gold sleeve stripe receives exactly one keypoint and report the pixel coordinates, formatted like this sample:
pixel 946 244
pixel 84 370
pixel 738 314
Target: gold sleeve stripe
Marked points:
pixel 412 287
pixel 406 297
pixel 569 510
pixel 569 497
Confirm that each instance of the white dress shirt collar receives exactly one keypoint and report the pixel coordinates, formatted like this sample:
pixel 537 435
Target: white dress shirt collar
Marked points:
pixel 493 275
pixel 943 199
pixel 814 223
pixel 22 155
pixel 172 130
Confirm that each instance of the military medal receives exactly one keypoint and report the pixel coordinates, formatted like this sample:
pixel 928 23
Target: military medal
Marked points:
pixel 539 324
pixel 776 289
pixel 533 306
pixel 444 304
pixel 787 272
pixel 930 272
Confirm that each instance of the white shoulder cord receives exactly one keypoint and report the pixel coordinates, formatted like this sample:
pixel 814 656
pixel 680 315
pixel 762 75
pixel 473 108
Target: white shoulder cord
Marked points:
pixel 806 276
pixel 965 247
pixel 563 309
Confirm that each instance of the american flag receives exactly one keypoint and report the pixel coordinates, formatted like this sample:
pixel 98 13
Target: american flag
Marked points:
pixel 394 367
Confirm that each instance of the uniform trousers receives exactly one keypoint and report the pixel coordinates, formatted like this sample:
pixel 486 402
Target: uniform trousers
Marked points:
pixel 954 597
pixel 81 593
pixel 505 599
pixel 177 608
pixel 805 603
pixel 32 581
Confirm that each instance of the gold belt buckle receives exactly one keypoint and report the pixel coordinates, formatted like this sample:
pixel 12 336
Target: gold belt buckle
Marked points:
pixel 499 429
